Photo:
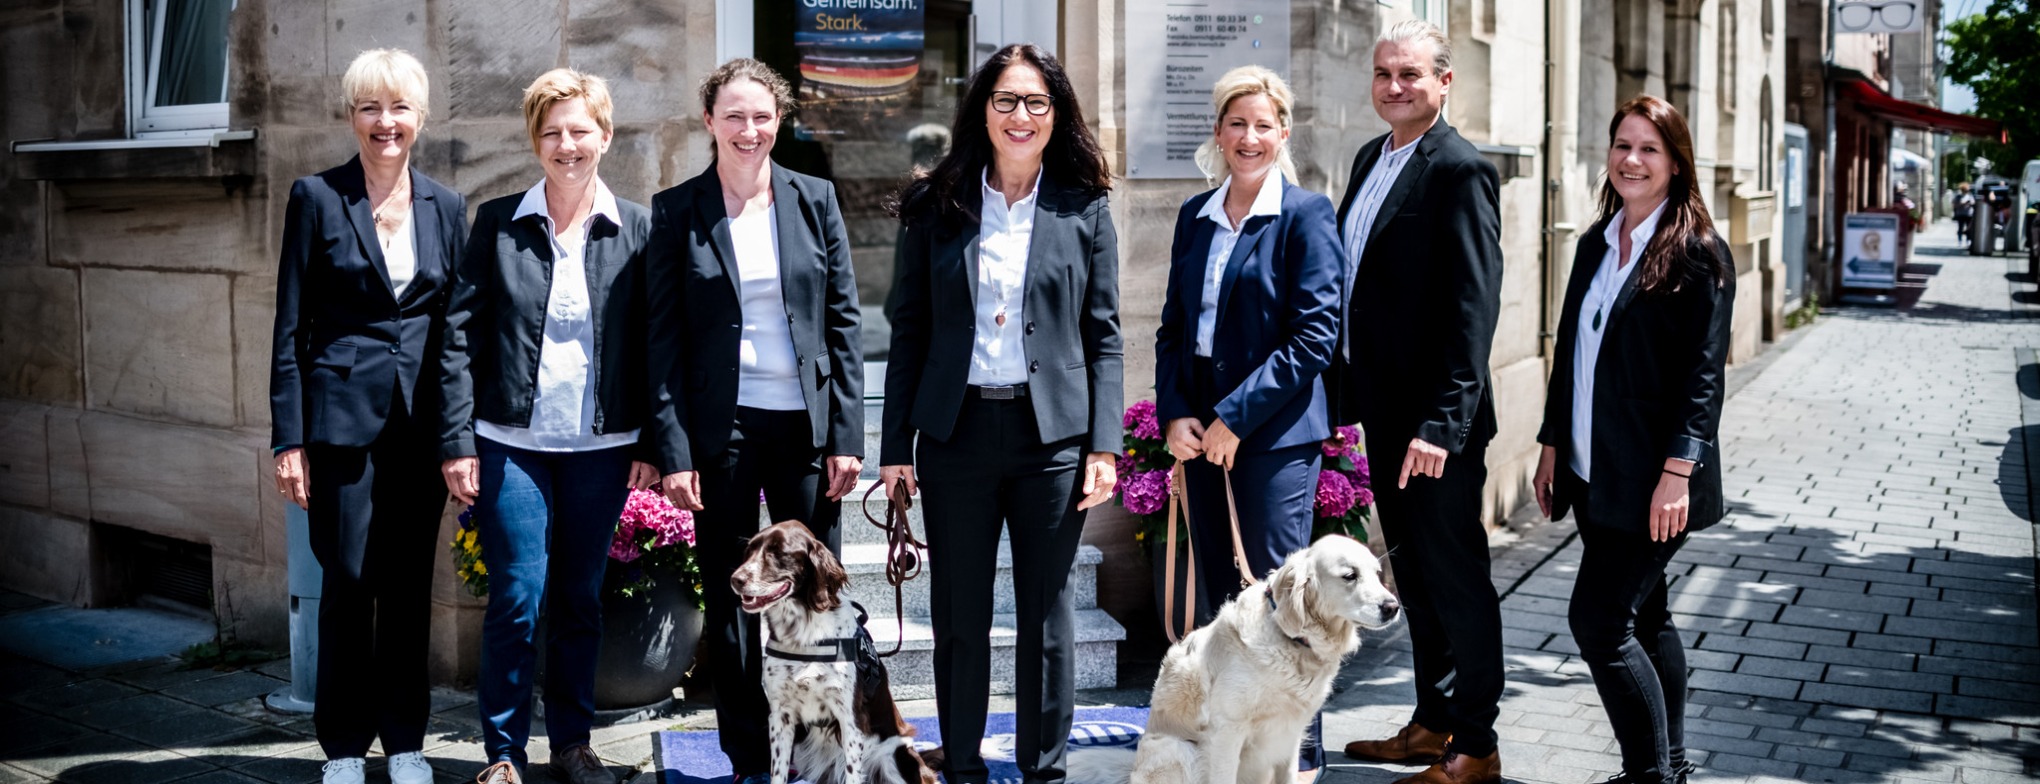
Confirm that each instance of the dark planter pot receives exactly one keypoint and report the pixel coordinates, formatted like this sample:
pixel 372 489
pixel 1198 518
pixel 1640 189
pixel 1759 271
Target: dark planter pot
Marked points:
pixel 1157 565
pixel 648 643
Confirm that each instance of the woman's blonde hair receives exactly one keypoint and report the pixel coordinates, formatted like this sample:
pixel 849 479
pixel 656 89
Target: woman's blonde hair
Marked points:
pixel 1239 83
pixel 392 72
pixel 560 85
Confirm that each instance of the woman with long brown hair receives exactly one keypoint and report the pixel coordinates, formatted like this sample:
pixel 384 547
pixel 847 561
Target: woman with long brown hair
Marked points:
pixel 1003 391
pixel 1631 423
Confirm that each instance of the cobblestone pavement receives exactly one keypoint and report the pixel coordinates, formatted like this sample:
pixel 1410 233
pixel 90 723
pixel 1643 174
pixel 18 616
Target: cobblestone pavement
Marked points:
pixel 1865 613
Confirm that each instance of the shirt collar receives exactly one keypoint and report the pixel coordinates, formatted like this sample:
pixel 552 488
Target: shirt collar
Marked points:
pixel 993 195
pixel 534 203
pixel 1639 235
pixel 1267 202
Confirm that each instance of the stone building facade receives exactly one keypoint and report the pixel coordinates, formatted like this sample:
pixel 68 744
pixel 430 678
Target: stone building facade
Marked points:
pixel 136 283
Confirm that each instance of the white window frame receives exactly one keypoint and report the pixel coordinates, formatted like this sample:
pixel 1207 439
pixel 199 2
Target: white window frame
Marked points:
pixel 145 119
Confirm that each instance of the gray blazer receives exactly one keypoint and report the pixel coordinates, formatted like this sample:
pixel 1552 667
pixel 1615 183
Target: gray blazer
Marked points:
pixel 1071 339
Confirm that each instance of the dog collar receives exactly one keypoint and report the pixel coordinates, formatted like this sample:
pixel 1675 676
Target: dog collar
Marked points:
pixel 842 649
pixel 1272 608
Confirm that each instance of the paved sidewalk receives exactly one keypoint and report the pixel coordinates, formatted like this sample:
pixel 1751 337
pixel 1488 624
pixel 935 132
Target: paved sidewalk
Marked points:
pixel 1865 613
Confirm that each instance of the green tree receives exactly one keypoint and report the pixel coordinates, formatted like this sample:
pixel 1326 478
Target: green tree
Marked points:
pixel 1996 53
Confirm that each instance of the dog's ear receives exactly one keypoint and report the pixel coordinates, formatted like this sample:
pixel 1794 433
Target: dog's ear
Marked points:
pixel 1291 589
pixel 825 577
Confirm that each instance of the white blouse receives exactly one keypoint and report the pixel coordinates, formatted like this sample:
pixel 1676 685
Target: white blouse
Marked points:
pixel 1223 239
pixel 767 375
pixel 998 357
pixel 1595 313
pixel 400 255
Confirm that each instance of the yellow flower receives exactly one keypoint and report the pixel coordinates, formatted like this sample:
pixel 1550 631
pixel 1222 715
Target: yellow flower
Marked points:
pixel 481 568
pixel 1133 453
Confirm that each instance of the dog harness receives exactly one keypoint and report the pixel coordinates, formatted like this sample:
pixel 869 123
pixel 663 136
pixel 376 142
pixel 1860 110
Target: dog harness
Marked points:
pixel 839 650
pixel 1271 608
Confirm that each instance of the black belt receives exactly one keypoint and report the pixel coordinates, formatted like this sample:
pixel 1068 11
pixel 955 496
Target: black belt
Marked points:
pixel 999 393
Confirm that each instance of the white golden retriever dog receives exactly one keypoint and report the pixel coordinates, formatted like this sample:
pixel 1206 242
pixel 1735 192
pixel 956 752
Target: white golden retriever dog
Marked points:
pixel 1233 698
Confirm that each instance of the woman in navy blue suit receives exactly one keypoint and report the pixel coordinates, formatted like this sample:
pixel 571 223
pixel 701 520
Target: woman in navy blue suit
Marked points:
pixel 1250 321
pixel 360 305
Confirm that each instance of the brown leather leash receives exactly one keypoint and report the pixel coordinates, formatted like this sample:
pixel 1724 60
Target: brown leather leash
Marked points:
pixel 1176 502
pixel 904 555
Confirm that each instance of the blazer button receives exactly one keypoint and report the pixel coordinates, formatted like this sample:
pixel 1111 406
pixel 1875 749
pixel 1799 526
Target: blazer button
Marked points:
pixel 394 348
pixel 1218 366
pixel 1030 327
pixel 1034 367
pixel 799 359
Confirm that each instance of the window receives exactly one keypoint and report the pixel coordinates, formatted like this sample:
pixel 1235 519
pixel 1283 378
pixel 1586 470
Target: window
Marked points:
pixel 177 66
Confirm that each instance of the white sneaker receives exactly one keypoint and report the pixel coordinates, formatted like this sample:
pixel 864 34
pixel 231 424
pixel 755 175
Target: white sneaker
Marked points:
pixel 410 768
pixel 346 770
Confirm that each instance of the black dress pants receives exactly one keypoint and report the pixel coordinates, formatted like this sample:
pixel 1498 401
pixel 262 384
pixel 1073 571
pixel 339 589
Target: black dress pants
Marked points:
pixel 768 451
pixel 1626 637
pixel 374 519
pixel 1440 554
pixel 994 472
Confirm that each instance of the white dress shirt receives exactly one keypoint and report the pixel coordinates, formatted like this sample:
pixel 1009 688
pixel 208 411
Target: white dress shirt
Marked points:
pixel 1360 216
pixel 1005 233
pixel 1268 201
pixel 768 377
pixel 400 255
pixel 563 405
pixel 1595 314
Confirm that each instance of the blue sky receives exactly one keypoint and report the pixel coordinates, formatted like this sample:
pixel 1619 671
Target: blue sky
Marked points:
pixel 1955 97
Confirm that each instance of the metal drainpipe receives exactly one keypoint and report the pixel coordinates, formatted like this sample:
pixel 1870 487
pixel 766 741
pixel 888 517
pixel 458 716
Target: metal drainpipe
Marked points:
pixel 1830 276
pixel 305 580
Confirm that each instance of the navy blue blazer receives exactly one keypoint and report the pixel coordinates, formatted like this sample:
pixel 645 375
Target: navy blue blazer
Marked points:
pixel 1278 321
pixel 346 346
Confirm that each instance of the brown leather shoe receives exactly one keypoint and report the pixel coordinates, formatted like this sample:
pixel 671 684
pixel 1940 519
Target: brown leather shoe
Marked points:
pixel 1412 745
pixel 580 765
pixel 1457 768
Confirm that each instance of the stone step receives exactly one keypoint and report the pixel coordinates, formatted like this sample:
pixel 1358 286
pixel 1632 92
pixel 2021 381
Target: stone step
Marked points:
pixel 912 670
pixel 866 565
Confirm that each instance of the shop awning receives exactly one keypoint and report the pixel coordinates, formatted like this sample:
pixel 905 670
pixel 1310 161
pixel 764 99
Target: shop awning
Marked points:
pixel 1868 98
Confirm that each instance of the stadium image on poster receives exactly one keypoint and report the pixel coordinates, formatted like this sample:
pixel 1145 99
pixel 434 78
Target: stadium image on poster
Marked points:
pixel 857 49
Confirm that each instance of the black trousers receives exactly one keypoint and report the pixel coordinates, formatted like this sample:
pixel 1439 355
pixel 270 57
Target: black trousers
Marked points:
pixel 768 451
pixel 374 519
pixel 1440 554
pixel 1626 637
pixel 1276 493
pixel 991 473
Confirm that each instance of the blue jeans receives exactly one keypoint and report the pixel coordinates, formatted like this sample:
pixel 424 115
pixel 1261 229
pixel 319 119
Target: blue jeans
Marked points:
pixel 545 520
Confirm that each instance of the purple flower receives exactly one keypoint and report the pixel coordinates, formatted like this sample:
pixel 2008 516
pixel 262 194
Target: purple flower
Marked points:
pixel 1141 422
pixel 1335 496
pixel 1363 497
pixel 1146 492
pixel 1125 466
pixel 1360 476
pixel 1344 440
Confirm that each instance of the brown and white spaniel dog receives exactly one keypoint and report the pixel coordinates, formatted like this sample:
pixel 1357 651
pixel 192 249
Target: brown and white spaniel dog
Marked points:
pixel 853 731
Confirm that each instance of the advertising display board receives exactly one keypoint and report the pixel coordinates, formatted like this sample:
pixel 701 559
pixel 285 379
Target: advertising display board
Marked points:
pixel 1175 50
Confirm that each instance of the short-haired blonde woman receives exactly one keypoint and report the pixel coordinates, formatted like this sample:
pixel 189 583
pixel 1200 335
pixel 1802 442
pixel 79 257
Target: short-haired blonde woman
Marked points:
pixel 545 398
pixel 1250 320
pixel 757 367
pixel 365 241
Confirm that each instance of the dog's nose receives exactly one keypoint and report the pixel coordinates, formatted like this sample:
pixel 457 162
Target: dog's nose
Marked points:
pixel 1389 607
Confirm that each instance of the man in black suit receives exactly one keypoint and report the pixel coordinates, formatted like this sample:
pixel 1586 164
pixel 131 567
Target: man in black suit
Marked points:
pixel 1421 229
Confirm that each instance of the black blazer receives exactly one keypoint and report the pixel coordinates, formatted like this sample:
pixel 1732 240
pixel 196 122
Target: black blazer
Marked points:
pixel 697 316
pixel 1071 339
pixel 1278 321
pixel 1658 389
pixel 345 344
pixel 496 322
pixel 1421 315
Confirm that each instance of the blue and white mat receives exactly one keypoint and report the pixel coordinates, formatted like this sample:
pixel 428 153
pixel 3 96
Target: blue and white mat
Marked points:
pixel 697 758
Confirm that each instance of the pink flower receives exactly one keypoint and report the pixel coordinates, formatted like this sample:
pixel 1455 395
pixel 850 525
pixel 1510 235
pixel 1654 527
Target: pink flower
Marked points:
pixel 648 519
pixel 1146 492
pixel 1141 422
pixel 1335 496
pixel 1360 476
pixel 1363 497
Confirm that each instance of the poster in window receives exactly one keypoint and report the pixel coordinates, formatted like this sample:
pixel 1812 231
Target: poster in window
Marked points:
pixel 859 60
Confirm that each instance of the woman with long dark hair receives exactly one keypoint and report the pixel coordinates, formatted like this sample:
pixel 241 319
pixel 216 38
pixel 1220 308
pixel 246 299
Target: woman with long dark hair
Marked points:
pixel 1006 368
pixel 1631 423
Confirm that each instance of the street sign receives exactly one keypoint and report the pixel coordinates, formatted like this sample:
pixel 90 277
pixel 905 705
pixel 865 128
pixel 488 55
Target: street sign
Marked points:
pixel 1878 16
pixel 1175 51
pixel 1870 250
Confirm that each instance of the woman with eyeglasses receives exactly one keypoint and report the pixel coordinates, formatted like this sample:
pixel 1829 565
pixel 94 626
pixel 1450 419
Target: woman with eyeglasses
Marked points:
pixel 1005 375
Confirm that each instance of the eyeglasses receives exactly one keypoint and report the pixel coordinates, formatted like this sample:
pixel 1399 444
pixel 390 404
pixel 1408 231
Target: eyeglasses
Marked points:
pixel 1891 15
pixel 1037 104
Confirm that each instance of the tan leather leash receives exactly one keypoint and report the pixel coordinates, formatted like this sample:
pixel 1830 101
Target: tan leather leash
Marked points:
pixel 1176 494
pixel 904 555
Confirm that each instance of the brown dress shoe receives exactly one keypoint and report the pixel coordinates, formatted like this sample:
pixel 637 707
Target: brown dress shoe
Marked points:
pixel 580 765
pixel 1457 768
pixel 1412 745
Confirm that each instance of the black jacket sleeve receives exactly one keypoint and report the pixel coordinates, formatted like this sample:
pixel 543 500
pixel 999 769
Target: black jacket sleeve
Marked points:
pixel 286 387
pixel 840 335
pixel 1104 346
pixel 1469 263
pixel 664 342
pixel 467 283
pixel 1698 409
